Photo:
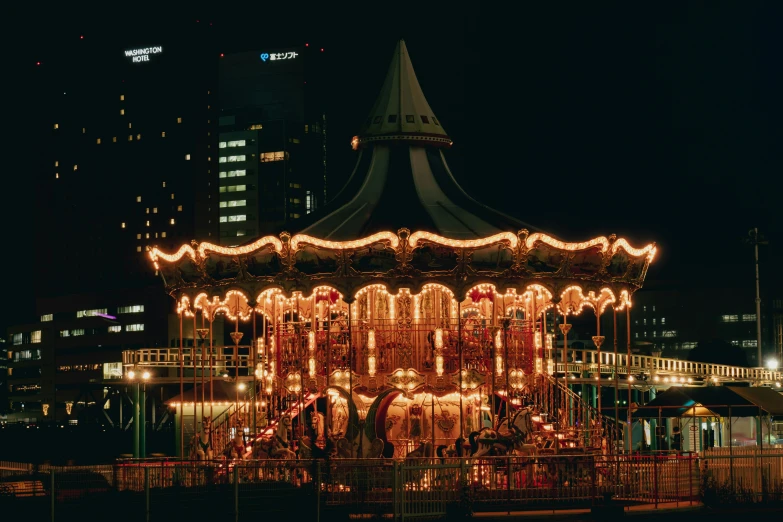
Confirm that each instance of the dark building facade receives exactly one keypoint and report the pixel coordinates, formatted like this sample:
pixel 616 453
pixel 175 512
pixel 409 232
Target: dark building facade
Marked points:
pixel 64 362
pixel 272 140
pixel 674 318
pixel 130 151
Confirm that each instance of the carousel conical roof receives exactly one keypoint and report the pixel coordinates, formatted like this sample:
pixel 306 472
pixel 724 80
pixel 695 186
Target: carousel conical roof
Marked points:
pixel 401 178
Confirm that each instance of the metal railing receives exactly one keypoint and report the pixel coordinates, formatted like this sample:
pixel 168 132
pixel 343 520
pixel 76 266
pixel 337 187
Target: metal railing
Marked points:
pixel 407 488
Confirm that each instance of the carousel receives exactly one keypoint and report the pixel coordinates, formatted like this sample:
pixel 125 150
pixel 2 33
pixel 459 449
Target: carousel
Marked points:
pixel 402 319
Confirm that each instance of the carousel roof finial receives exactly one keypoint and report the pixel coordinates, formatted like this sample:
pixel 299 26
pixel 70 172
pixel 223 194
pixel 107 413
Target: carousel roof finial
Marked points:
pixel 401 112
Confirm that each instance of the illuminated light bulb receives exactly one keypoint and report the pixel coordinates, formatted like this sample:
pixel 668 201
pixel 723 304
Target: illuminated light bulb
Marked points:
pixel 499 364
pixel 439 364
pixel 499 340
pixel 656 378
pixel 630 378
pixel 241 386
pixel 438 338
pixel 145 375
pixel 131 375
pixel 665 379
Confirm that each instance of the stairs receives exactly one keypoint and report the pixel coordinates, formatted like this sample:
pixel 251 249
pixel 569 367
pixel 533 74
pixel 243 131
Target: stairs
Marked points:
pixel 571 419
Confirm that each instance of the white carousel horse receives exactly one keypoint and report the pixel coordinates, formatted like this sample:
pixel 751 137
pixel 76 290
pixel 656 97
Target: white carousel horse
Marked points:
pixel 520 431
pixel 201 445
pixel 281 445
pixel 318 424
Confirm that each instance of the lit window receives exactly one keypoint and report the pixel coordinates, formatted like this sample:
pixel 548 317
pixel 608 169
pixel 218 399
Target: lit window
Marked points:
pixel 133 309
pixel 265 157
pixel 222 145
pixel 689 346
pixel 122 112
pixel 138 236
pixel 238 217
pixel 232 159
pixel 256 126
pixel 114 139
pixel 735 343
pixel 172 221
pixel 56 163
pixel 138 199
pixel 162 234
pixel 663 320
pixel 233 188
pixel 138 136
pixel 130 137
pixel 130 125
pixel 35 337
pixel 653 320
pixel 98 141
pixel 148 210
pixel 236 143
pixel 636 335
pixel 187 157
pixel 147 235
pixel 749 317
pixel 84 130
pixel 163 134
pixel 91 313
pixel 65 333
pixel 164 184
pixel 179 120
pixel 122 97
pixel 224 219
pixel 134 327
pixel 123 225
pixel 77 332
pixel 644 321
pixel 148 223
pixel 115 328
pixel 47 317
pixel 669 333
pixel 56 125
pixel 138 249
pixel 745 344
pixel 730 318
pixel 172 196
pixel 76 167
pixel 233 174
pixel 240 232
pixel 56 175
pixel 179 208
pixel 644 308
pixel 154 210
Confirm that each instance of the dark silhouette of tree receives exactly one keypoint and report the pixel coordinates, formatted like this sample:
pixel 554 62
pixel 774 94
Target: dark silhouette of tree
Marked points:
pixel 718 351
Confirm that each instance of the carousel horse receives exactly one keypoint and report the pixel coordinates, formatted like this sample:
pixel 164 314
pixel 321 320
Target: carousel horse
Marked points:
pixel 520 431
pixel 318 425
pixel 262 449
pixel 281 446
pixel 201 446
pixel 309 450
pixel 375 451
pixel 487 442
pixel 236 447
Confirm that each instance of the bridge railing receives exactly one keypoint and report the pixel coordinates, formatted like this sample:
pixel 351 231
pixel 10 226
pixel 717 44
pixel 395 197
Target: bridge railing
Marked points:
pixel 588 361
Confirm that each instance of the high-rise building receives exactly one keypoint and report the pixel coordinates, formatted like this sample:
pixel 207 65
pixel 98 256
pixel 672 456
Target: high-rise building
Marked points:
pixel 272 140
pixel 130 155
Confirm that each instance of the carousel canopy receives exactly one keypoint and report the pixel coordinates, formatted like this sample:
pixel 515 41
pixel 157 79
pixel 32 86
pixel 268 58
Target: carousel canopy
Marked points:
pixel 401 178
pixel 404 221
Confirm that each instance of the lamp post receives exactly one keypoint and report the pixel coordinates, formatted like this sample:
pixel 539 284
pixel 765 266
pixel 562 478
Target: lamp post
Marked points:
pixel 757 239
pixel 139 381
pixel 236 336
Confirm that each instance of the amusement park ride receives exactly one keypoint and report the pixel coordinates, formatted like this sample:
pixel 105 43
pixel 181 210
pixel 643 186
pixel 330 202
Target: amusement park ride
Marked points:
pixel 403 319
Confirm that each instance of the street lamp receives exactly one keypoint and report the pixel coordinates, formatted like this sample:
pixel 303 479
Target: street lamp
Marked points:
pixel 772 364
pixel 139 411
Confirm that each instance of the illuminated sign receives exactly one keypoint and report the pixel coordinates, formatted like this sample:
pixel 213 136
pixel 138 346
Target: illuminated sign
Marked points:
pixel 142 54
pixel 278 56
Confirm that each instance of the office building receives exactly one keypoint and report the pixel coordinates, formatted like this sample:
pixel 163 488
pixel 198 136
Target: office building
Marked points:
pixel 272 140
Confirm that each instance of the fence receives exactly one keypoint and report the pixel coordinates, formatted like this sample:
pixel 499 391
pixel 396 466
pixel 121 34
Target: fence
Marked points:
pixel 407 489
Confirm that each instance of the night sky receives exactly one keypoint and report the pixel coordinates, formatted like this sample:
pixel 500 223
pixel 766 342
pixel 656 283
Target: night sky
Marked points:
pixel 656 123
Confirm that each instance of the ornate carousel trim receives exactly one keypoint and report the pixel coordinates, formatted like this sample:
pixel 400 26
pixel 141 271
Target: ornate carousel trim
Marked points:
pixel 394 240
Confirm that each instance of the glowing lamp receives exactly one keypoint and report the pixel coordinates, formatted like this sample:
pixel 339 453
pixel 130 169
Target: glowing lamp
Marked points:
pixel 371 358
pixel 499 364
pixel 499 340
pixel 311 367
pixel 145 375
pixel 131 375
pixel 241 386
pixel 550 366
pixel 438 338
pixel 772 364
